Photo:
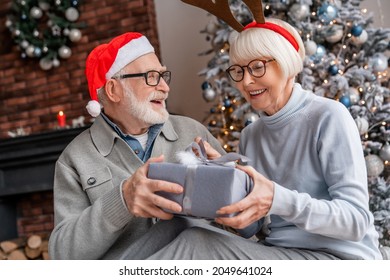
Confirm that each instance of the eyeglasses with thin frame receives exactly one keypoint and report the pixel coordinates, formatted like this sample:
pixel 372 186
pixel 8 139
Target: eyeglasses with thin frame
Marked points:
pixel 256 68
pixel 152 77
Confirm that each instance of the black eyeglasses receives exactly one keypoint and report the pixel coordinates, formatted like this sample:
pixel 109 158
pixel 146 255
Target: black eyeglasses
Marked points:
pixel 152 77
pixel 256 68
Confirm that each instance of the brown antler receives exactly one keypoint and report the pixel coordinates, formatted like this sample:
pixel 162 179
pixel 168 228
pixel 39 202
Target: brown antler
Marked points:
pixel 256 7
pixel 220 9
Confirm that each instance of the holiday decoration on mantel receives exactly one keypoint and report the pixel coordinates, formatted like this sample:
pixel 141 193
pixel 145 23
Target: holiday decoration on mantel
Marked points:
pixel 346 60
pixel 45 29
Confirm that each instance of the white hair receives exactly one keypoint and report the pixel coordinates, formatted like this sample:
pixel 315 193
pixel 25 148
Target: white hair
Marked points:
pixel 256 42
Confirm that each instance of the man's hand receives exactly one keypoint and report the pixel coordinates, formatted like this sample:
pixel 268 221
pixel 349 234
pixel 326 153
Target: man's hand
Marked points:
pixel 210 151
pixel 141 200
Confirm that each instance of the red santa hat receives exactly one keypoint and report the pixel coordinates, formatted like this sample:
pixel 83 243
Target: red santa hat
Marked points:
pixel 107 59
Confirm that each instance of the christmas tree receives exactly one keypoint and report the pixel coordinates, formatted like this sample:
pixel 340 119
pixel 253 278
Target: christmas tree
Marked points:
pixel 346 60
pixel 44 29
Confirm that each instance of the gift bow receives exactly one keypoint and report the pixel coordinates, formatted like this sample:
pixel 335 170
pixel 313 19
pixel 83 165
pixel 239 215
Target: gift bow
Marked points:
pixel 228 159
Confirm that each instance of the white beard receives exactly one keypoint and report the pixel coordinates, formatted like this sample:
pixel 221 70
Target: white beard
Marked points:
pixel 143 110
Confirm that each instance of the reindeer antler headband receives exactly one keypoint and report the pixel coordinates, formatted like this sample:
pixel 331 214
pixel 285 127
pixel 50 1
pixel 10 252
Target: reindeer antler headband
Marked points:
pixel 221 9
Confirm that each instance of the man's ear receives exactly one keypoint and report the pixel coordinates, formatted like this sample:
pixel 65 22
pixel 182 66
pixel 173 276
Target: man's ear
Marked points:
pixel 113 90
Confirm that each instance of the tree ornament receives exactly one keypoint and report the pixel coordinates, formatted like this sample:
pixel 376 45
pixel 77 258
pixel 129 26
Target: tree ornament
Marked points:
pixel 362 125
pixel 384 153
pixel 56 62
pixel 72 14
pixel 227 102
pixel 36 12
pixel 45 63
pixel 75 35
pixel 299 11
pixel 249 118
pixel 374 165
pixel 64 52
pixel 310 47
pixel 37 29
pixel 320 53
pixel 327 13
pixel 333 69
pixel 345 100
pixel 360 40
pixel 334 34
pixel 209 93
pixel 30 51
pixel 45 6
pixel 211 27
pixel 354 95
pixel 356 30
pixel 378 62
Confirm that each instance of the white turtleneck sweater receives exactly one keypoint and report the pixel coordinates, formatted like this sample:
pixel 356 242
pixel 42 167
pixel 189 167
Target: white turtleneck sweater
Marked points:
pixel 311 150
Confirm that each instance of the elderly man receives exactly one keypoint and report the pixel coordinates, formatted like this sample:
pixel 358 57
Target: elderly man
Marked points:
pixel 103 200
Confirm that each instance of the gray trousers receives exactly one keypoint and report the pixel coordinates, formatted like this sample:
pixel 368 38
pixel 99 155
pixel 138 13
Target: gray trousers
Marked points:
pixel 191 239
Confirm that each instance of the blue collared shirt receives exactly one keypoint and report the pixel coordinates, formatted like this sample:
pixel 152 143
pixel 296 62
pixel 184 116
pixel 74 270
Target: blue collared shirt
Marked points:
pixel 134 144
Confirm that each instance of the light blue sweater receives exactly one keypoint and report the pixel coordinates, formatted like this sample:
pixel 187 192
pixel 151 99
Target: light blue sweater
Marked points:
pixel 311 150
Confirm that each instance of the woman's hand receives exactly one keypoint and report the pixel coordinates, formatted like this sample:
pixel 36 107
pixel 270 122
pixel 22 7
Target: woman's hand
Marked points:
pixel 253 207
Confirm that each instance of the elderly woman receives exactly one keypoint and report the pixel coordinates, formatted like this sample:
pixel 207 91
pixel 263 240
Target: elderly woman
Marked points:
pixel 307 161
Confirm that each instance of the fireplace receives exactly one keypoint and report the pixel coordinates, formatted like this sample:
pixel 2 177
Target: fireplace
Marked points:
pixel 26 181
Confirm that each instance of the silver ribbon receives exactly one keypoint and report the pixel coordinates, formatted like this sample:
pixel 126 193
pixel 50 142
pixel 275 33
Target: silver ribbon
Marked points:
pixel 225 160
pixel 190 186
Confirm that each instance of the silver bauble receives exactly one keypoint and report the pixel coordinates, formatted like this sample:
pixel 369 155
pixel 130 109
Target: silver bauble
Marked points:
pixel 44 5
pixel 249 118
pixel 17 32
pixel 8 23
pixel 209 94
pixel 374 165
pixel 30 51
pixel 36 12
pixel 72 14
pixel 335 34
pixel 362 125
pixel 75 35
pixel 299 11
pixel 354 95
pixel 64 52
pixel 310 47
pixel 211 27
pixel 56 62
pixel 384 153
pixel 378 62
pixel 24 44
pixel 45 64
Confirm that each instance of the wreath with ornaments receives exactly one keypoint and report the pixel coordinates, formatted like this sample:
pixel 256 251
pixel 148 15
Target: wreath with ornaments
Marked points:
pixel 45 29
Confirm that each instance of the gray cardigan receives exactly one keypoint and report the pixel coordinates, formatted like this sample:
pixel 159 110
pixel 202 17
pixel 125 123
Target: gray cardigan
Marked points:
pixel 91 218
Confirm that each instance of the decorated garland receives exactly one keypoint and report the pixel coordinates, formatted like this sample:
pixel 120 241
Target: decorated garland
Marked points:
pixel 44 29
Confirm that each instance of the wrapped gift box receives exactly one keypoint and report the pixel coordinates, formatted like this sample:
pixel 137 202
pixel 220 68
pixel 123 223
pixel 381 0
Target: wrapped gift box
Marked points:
pixel 207 188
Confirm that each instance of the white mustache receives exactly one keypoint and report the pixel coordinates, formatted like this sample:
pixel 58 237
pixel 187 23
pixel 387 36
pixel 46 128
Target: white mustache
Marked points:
pixel 158 95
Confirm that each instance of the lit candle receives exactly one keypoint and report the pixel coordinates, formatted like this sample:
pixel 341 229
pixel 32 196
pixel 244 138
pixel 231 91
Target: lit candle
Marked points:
pixel 61 119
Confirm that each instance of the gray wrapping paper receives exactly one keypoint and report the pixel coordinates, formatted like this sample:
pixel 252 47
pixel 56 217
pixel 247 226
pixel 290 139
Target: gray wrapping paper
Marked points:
pixel 207 188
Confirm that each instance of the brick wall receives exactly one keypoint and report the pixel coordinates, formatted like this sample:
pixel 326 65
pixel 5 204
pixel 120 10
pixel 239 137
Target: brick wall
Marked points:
pixel 35 214
pixel 30 97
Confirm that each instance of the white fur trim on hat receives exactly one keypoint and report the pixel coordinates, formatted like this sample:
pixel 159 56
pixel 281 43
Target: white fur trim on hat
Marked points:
pixel 128 53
